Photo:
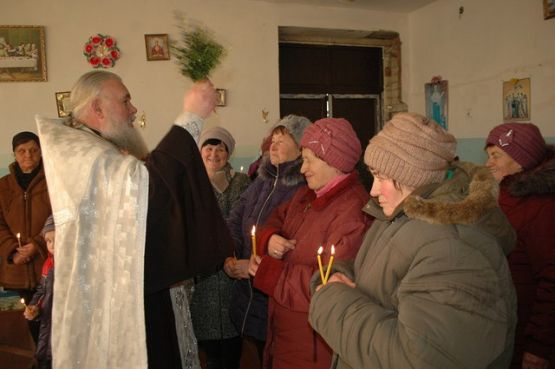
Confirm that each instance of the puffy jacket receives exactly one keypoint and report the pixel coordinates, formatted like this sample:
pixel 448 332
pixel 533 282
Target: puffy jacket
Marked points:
pixel 43 299
pixel 433 287
pixel 22 212
pixel 334 218
pixel 272 187
pixel 528 200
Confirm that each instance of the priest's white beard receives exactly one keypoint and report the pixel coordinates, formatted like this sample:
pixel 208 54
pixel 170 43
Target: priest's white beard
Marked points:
pixel 125 136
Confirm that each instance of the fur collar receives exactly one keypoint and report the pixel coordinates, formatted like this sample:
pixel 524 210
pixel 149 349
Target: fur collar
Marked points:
pixel 463 199
pixel 537 181
pixel 288 174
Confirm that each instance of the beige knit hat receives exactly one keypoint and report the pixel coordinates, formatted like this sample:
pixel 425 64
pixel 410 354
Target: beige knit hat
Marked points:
pixel 411 149
pixel 218 133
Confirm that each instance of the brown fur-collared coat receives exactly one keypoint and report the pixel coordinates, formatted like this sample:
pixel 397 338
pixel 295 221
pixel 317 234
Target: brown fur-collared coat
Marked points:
pixel 22 212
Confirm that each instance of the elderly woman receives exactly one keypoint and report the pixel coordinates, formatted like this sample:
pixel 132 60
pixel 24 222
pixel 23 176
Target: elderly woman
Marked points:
pixel 430 286
pixel 325 212
pixel 524 166
pixel 215 333
pixel 278 178
pixel 24 207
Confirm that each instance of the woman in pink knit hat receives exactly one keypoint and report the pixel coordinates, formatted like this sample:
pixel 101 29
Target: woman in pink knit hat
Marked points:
pixel 430 286
pixel 524 166
pixel 325 212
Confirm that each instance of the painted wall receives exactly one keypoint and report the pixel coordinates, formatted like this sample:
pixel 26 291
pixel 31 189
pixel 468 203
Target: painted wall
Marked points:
pixel 491 42
pixel 248 30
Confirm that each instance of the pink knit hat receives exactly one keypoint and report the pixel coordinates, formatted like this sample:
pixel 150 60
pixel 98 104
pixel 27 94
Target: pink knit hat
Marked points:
pixel 523 142
pixel 411 149
pixel 334 141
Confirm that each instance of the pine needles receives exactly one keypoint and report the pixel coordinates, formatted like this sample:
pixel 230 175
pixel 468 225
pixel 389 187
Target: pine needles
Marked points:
pixel 197 53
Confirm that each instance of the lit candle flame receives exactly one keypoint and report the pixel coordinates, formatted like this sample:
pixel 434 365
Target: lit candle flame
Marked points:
pixel 18 235
pixel 23 301
pixel 320 250
pixel 332 249
pixel 241 169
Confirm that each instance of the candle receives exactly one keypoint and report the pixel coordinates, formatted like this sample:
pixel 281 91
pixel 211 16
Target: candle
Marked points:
pixel 319 257
pixel 330 262
pixel 18 235
pixel 241 169
pixel 253 239
pixel 23 302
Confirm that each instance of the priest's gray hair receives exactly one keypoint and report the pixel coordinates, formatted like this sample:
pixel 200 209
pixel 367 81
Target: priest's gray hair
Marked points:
pixel 86 89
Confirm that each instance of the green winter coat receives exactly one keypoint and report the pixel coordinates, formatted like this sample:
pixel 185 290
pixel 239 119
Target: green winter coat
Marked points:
pixel 433 289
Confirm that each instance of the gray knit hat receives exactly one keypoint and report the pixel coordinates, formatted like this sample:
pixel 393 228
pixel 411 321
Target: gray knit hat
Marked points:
pixel 218 133
pixel 412 150
pixel 295 125
pixel 48 226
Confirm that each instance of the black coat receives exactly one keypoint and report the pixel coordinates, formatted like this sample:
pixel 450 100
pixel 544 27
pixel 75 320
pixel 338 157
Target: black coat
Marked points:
pixel 186 235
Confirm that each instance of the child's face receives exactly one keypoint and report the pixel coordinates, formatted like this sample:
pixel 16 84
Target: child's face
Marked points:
pixel 50 238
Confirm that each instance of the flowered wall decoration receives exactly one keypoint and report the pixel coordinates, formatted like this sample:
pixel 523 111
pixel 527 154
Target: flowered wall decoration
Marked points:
pixel 101 51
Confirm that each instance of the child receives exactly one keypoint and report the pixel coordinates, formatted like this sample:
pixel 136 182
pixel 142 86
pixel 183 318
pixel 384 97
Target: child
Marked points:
pixel 41 303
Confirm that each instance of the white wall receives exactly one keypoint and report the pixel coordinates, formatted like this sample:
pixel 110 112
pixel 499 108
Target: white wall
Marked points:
pixel 493 41
pixel 249 31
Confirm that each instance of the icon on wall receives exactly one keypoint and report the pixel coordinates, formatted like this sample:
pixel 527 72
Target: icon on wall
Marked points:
pixel 22 54
pixel 436 100
pixel 157 47
pixel 516 100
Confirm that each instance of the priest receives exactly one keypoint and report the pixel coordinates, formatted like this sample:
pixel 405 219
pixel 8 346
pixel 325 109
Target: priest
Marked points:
pixel 130 226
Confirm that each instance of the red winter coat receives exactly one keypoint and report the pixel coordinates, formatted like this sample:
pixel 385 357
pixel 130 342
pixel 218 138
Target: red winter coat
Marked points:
pixel 334 218
pixel 528 200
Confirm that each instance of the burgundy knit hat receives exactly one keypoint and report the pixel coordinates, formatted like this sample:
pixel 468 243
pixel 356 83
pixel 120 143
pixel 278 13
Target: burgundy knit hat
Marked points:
pixel 523 142
pixel 411 149
pixel 334 141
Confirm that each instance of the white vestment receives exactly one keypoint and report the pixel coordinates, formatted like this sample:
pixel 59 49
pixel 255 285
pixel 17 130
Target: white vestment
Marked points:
pixel 99 201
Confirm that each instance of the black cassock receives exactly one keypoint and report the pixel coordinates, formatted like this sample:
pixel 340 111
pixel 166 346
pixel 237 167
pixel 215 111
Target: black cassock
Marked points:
pixel 186 235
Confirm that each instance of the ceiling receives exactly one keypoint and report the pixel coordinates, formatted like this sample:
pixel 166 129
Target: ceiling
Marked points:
pixel 400 6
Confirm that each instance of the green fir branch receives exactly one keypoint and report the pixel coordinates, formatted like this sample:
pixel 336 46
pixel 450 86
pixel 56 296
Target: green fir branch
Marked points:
pixel 197 53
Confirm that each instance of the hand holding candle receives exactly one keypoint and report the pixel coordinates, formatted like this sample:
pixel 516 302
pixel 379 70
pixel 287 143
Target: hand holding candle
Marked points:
pixel 253 238
pixel 330 263
pixel 319 257
pixel 31 311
